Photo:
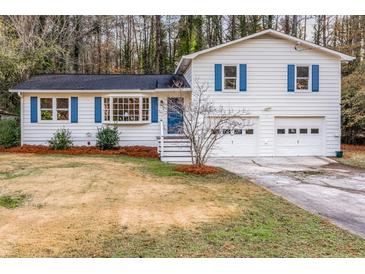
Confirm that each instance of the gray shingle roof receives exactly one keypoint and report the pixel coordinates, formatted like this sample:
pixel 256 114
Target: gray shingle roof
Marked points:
pixel 101 82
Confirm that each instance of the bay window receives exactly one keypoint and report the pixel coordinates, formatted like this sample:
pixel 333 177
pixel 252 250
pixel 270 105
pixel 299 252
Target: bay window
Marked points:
pixel 122 109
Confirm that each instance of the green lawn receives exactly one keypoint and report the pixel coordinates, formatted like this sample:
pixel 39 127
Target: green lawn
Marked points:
pixel 128 207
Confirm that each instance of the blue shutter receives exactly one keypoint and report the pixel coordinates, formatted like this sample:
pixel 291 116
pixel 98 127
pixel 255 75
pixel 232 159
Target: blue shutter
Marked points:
pixel 97 109
pixel 315 78
pixel 74 109
pixel 218 77
pixel 291 78
pixel 33 109
pixel 154 109
pixel 243 77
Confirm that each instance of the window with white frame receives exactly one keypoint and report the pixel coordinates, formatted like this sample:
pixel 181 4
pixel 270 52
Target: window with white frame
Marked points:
pixel 230 77
pixel 62 109
pixel 46 106
pixel 106 109
pixel 127 109
pixel 145 109
pixel 302 82
pixel 54 109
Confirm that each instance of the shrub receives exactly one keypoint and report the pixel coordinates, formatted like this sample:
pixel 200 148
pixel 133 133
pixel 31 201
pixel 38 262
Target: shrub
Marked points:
pixel 9 133
pixel 107 137
pixel 61 139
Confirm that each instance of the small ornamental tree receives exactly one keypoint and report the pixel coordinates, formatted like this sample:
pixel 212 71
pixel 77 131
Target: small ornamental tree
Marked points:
pixel 61 139
pixel 107 137
pixel 205 123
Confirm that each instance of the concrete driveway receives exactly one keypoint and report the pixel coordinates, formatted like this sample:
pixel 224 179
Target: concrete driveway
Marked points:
pixel 319 185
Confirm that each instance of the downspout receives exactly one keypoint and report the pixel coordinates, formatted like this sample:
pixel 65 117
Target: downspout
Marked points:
pixel 21 117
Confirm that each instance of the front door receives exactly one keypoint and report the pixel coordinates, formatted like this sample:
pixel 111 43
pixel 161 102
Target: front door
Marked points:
pixel 174 115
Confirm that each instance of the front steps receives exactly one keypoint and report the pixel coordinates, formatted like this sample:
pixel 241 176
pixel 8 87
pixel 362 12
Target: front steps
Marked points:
pixel 174 149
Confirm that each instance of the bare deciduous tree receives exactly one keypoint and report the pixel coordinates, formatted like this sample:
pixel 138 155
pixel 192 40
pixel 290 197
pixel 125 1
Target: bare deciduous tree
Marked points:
pixel 205 123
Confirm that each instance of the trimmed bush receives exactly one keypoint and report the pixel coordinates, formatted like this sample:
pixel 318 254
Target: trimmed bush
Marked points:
pixel 61 139
pixel 9 133
pixel 107 137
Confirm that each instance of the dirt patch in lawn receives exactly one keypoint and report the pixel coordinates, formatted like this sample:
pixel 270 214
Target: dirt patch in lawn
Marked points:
pixel 76 202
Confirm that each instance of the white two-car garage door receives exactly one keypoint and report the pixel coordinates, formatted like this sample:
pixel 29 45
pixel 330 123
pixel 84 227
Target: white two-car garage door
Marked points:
pixel 239 142
pixel 299 136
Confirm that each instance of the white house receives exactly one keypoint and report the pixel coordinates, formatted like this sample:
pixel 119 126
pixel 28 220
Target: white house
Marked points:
pixel 291 89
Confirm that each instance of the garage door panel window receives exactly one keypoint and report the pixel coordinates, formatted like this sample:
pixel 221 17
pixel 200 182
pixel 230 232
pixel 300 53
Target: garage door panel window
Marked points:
pixel 292 131
pixel 280 131
pixel 249 131
pixel 314 130
pixel 303 131
pixel 226 131
pixel 238 131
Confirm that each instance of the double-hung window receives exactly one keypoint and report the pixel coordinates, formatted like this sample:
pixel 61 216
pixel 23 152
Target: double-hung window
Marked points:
pixel 230 78
pixel 123 109
pixel 62 109
pixel 46 105
pixel 54 109
pixel 302 79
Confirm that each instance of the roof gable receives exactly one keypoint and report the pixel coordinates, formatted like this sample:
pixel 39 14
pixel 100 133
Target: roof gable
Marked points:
pixel 186 59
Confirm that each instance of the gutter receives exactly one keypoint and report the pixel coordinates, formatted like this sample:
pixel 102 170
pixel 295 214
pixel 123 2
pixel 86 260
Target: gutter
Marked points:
pixel 21 117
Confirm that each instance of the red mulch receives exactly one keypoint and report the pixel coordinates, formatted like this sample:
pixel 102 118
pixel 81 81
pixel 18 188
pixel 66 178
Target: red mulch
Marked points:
pixel 354 148
pixel 198 169
pixel 133 151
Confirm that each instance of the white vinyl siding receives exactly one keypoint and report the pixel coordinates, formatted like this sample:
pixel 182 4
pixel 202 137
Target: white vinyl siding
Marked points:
pixel 189 75
pixel 85 130
pixel 267 59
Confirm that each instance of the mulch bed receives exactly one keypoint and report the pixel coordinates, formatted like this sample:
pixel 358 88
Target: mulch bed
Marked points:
pixel 354 148
pixel 133 151
pixel 198 169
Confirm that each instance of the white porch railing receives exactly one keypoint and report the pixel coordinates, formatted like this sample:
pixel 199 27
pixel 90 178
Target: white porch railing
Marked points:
pixel 161 139
pixel 173 148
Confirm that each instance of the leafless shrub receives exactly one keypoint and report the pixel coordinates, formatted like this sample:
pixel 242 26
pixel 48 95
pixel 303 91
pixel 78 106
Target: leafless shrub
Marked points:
pixel 205 123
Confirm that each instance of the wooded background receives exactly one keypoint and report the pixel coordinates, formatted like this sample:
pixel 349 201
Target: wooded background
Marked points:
pixel 154 44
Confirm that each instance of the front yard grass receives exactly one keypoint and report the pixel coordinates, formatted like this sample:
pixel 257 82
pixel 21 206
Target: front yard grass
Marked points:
pixel 353 156
pixel 116 206
pixel 12 201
